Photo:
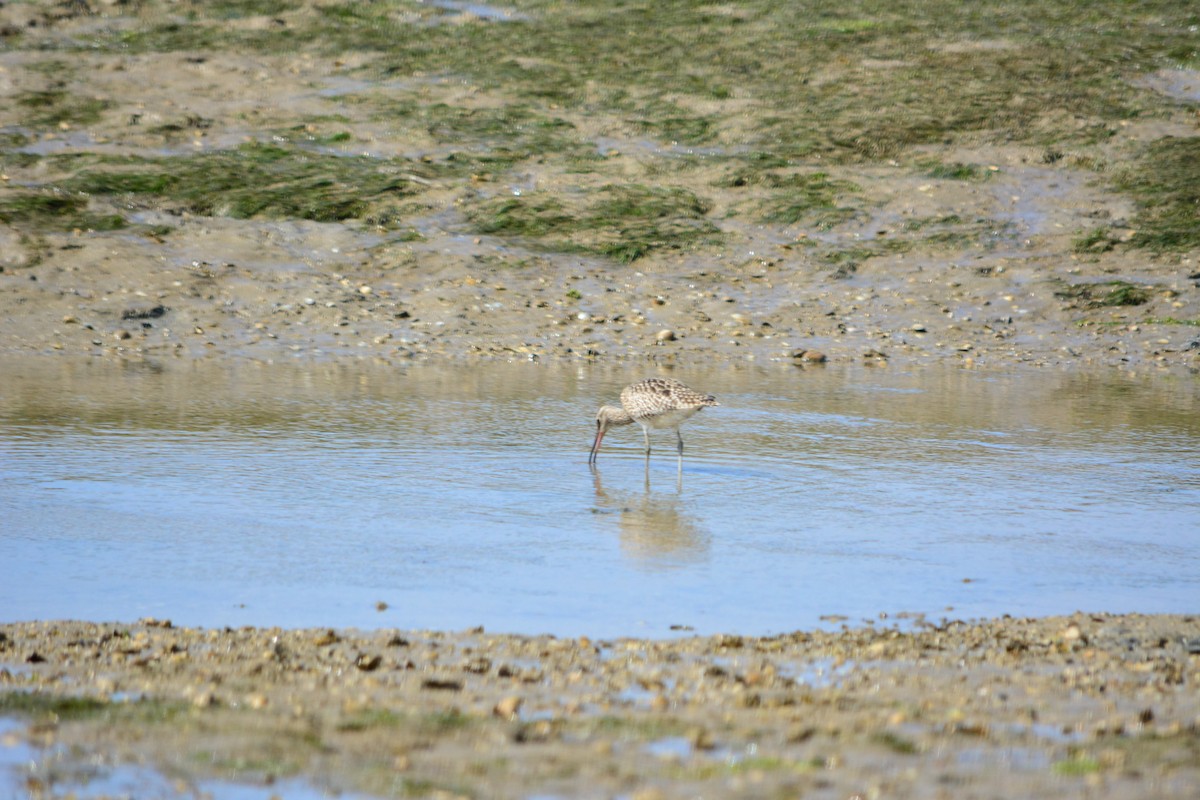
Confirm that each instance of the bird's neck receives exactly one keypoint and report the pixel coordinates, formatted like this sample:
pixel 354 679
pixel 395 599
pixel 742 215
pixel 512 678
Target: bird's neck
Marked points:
pixel 613 416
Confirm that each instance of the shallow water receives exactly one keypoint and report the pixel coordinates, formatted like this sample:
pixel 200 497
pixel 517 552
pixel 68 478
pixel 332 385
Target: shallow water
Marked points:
pixel 29 771
pixel 303 495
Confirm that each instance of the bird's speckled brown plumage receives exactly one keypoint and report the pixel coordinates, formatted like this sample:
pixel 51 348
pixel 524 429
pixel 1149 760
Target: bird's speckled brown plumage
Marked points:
pixel 652 403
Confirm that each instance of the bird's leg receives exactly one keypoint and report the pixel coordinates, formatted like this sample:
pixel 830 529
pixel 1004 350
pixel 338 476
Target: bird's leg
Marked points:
pixel 679 436
pixel 646 433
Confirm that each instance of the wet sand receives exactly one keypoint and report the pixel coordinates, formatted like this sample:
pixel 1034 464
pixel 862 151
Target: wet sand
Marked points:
pixel 1006 284
pixel 1082 706
pixel 1090 706
pixel 278 291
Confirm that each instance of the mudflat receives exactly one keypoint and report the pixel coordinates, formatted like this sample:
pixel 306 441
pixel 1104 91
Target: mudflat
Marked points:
pixel 662 182
pixel 404 180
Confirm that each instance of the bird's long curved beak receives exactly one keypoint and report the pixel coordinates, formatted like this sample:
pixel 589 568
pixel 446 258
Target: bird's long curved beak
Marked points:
pixel 596 444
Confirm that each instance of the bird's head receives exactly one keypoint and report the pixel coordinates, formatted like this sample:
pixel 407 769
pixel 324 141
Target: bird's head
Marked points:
pixel 607 417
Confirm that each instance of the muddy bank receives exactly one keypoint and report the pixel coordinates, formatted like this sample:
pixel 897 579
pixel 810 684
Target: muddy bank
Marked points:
pixel 285 290
pixel 291 181
pixel 1085 706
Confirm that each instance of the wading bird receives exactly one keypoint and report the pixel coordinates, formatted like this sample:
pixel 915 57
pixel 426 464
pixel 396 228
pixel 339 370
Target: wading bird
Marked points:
pixel 652 403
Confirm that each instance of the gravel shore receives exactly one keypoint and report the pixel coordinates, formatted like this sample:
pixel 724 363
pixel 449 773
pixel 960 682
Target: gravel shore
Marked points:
pixel 1082 706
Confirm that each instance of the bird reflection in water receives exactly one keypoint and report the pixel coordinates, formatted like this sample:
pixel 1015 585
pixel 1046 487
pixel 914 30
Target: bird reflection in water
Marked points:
pixel 654 529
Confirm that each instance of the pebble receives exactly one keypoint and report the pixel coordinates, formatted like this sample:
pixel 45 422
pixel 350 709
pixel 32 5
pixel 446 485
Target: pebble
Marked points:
pixel 326 638
pixel 507 707
pixel 665 335
pixel 809 356
pixel 368 662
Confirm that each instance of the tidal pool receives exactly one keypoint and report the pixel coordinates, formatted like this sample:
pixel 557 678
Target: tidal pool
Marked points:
pixel 422 496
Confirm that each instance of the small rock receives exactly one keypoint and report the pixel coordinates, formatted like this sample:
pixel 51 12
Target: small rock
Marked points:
pixel 508 707
pixel 144 313
pixel 918 328
pixel 539 731
pixel 368 663
pixel 800 733
pixel 1072 633
pixel 326 638
pixel 122 334
pixel 809 356
pixel 665 335
pixel 70 320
